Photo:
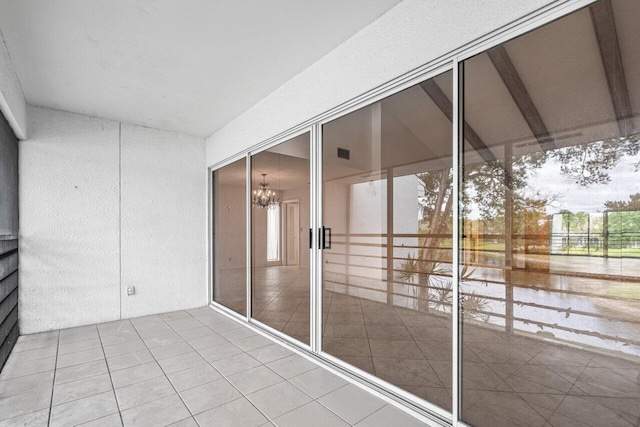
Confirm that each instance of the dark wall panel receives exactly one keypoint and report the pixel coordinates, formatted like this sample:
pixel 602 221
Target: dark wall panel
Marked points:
pixel 8 240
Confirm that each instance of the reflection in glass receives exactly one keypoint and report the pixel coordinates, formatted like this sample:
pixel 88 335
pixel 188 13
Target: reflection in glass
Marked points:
pixel 229 236
pixel 387 197
pixel 551 225
pixel 280 248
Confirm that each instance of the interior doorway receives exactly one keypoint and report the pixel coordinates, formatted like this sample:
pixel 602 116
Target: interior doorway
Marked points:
pixel 291 231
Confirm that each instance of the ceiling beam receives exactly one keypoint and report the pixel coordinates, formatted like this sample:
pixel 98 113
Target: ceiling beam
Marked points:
pixel 436 94
pixel 605 29
pixel 507 71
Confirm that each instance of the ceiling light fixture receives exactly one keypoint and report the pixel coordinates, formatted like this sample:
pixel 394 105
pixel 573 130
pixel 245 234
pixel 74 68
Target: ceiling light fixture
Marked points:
pixel 263 197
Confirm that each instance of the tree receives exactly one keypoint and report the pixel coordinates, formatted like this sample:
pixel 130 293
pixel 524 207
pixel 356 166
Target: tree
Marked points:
pixel 590 162
pixel 489 187
pixel 435 203
pixel 485 183
pixel 633 204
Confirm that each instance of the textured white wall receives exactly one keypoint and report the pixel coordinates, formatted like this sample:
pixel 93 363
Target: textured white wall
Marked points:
pixel 68 186
pixel 78 177
pixel 12 103
pixel 164 196
pixel 411 34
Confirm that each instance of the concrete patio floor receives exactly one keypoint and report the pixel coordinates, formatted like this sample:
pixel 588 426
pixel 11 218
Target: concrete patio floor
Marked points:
pixel 185 368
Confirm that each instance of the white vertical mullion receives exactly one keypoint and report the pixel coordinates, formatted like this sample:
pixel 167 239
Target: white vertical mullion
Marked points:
pixel 457 146
pixel 210 242
pixel 318 251
pixel 312 252
pixel 248 236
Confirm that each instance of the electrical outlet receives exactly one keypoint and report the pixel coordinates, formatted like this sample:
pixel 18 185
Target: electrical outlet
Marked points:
pixel 131 290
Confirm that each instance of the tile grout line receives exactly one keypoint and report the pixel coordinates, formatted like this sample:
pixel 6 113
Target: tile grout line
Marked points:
pixel 163 372
pixel 82 379
pixel 201 323
pixel 285 380
pixel 221 374
pixel 170 324
pixel 333 412
pixel 567 393
pixel 33 390
pixel 53 385
pixel 227 316
pixel 227 379
pixel 113 388
pixel 120 213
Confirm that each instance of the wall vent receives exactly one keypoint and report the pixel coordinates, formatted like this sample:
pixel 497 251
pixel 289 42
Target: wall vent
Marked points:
pixel 343 153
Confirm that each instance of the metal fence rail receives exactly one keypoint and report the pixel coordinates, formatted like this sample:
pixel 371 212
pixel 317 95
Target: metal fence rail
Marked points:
pixel 515 298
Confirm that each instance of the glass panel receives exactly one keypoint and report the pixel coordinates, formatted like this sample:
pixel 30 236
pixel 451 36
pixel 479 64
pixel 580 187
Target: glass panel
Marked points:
pixel 280 246
pixel 229 236
pixel 387 198
pixel 551 262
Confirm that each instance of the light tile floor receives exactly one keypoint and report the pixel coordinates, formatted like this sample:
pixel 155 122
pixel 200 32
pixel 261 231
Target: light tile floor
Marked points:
pixel 185 368
pixel 507 378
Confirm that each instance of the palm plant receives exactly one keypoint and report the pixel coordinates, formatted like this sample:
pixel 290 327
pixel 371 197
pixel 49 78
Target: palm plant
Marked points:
pixel 438 292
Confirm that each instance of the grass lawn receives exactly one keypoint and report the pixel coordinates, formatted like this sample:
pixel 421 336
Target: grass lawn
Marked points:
pixel 631 290
pixel 613 252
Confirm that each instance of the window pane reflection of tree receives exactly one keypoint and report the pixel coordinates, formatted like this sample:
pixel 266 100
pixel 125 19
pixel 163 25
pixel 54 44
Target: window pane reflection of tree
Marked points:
pixel 551 293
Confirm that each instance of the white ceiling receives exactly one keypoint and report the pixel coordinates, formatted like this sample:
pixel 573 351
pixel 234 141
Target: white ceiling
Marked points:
pixel 189 66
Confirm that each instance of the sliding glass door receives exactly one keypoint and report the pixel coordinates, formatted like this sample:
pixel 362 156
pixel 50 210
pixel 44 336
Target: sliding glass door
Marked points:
pixel 229 236
pixel 280 253
pixel 551 224
pixel 386 259
pixel 470 244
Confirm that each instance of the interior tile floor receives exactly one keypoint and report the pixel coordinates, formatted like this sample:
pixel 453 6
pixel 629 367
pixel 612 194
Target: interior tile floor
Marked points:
pixel 507 379
pixel 185 368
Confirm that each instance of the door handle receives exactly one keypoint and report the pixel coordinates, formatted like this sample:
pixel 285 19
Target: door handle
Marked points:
pixel 326 245
pixel 310 238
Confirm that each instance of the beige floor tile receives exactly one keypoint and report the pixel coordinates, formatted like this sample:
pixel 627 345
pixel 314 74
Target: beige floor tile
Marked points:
pixel 21 404
pixel 143 392
pixel 317 382
pixel 254 379
pixel 211 395
pixel 238 412
pixel 78 372
pixel 136 374
pixel 19 385
pixel 312 414
pixel 129 359
pixel 351 403
pixel 181 362
pixel 67 392
pixel 291 366
pixel 193 377
pixel 18 368
pixel 84 410
pixel 79 357
pixel 278 399
pixel 234 364
pixel 32 419
pixel 160 412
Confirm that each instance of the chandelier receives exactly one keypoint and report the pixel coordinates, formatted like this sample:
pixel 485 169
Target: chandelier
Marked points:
pixel 263 197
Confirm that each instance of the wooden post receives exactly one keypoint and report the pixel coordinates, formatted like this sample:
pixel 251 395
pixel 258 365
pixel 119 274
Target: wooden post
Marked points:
pixel 508 235
pixel 390 239
pixel 605 234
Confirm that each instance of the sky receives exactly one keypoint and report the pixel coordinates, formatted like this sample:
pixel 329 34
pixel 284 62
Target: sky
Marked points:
pixel 624 182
